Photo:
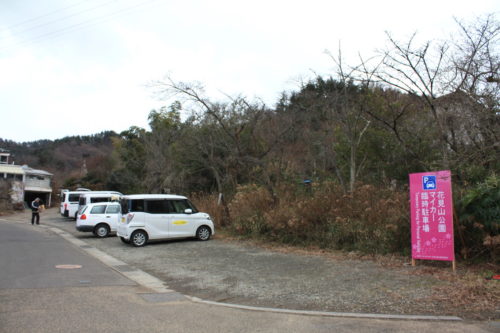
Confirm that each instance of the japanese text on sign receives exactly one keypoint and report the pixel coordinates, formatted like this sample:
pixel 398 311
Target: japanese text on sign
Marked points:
pixel 431 216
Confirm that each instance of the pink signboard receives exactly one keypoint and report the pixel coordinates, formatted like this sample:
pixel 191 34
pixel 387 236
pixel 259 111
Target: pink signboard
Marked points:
pixel 431 216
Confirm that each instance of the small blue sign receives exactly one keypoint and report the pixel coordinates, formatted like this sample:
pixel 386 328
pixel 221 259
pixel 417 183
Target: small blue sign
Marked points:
pixel 429 182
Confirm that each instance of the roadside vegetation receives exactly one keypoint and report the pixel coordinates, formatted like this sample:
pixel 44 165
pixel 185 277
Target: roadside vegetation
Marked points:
pixel 5 204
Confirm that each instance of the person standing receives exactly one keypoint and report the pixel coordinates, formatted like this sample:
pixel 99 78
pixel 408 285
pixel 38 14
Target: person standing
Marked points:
pixel 35 213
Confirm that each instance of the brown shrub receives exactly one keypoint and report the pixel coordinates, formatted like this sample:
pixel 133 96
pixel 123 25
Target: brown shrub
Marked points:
pixel 248 207
pixel 369 220
pixel 5 199
pixel 209 203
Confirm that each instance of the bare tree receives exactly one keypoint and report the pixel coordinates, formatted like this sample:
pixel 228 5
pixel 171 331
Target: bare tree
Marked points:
pixel 350 112
pixel 442 74
pixel 417 70
pixel 475 73
pixel 234 147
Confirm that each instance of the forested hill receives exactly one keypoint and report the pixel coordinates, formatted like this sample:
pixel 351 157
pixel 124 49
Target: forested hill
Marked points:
pixel 63 157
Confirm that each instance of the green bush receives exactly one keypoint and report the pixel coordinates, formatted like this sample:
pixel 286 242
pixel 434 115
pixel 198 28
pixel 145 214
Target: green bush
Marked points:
pixel 478 209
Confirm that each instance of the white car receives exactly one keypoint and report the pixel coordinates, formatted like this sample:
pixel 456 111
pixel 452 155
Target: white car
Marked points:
pixel 161 216
pixel 100 218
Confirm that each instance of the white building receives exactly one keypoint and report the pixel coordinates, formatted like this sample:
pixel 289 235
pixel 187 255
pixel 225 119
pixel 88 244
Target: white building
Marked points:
pixel 27 183
pixel 4 156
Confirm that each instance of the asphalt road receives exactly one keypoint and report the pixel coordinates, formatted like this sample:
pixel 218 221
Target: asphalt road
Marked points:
pixel 30 259
pixel 35 296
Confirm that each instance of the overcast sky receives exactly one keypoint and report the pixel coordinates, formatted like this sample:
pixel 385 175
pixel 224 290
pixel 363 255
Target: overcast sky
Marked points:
pixel 73 67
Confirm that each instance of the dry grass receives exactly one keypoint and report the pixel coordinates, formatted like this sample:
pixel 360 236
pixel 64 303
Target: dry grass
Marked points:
pixel 470 292
pixel 210 204
pixel 467 293
pixel 370 220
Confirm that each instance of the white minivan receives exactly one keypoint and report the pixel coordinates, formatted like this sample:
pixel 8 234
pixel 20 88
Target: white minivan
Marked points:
pixel 70 201
pixel 97 196
pixel 161 216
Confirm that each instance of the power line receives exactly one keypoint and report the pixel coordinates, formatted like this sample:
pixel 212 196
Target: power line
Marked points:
pixel 37 18
pixel 78 26
pixel 62 18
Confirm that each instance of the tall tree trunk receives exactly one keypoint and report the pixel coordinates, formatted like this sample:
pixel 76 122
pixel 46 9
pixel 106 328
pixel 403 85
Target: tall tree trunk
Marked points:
pixel 352 169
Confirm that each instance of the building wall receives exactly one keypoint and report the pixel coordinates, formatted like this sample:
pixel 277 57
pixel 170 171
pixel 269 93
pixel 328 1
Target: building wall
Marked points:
pixel 37 181
pixel 10 176
pixel 17 193
pixel 26 183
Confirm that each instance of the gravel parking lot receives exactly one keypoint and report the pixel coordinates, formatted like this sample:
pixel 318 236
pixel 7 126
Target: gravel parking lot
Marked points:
pixel 231 272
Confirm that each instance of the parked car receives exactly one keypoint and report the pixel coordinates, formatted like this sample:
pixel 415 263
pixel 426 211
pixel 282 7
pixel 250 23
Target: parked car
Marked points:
pixel 100 218
pixel 70 201
pixel 161 216
pixel 97 196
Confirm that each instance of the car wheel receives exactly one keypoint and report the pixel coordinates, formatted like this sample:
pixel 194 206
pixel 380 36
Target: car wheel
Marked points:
pixel 101 231
pixel 139 238
pixel 124 240
pixel 203 233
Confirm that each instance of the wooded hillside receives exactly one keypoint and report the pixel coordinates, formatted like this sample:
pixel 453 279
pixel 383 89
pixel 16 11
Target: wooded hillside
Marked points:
pixel 65 157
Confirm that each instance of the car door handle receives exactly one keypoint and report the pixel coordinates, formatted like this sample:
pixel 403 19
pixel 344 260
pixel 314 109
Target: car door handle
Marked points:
pixel 108 216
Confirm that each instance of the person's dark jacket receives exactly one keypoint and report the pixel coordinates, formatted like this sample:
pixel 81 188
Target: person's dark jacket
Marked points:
pixel 35 205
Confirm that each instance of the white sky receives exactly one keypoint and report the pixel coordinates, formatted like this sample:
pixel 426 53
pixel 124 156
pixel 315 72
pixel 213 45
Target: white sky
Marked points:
pixel 73 67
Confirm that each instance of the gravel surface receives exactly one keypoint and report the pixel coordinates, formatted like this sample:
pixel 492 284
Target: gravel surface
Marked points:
pixel 231 272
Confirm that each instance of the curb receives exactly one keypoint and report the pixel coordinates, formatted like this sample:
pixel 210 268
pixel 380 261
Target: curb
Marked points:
pixel 329 314
pixel 158 286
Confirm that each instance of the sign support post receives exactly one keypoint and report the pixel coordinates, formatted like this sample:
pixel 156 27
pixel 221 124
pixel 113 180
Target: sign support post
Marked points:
pixel 453 264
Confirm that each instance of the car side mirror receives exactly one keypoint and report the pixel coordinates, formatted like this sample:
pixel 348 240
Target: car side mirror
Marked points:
pixel 188 211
